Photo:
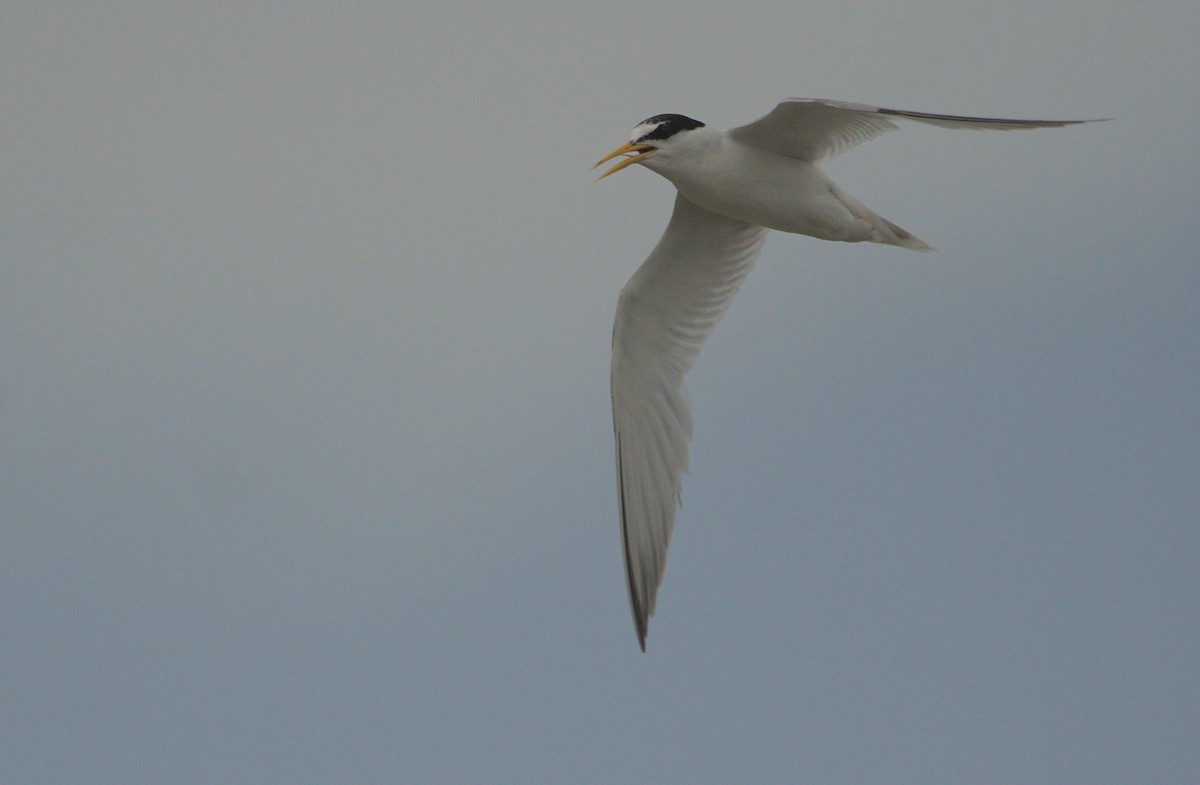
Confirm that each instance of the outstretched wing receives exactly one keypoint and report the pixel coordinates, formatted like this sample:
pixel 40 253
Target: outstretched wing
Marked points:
pixel 665 313
pixel 815 128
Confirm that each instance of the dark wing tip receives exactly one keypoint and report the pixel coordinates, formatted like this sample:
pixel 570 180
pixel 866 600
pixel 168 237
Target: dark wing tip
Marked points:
pixel 982 121
pixel 641 619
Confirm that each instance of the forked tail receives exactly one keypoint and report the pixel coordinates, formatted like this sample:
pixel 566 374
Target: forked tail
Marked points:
pixel 896 235
pixel 878 229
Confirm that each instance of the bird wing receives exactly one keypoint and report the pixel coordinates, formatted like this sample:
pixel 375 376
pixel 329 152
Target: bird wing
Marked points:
pixel 665 313
pixel 815 128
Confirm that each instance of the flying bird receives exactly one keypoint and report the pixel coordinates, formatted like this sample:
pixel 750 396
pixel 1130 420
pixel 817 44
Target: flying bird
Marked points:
pixel 732 186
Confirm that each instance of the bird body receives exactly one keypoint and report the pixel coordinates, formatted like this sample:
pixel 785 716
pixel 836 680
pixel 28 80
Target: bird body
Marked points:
pixel 733 186
pixel 768 189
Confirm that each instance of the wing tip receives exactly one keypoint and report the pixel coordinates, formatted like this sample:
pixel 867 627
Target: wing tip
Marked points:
pixel 998 123
pixel 641 624
pixel 641 619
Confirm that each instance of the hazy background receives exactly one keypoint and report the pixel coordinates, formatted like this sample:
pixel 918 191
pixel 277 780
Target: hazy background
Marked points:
pixel 306 469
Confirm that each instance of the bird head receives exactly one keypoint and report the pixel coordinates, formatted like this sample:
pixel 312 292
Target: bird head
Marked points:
pixel 656 134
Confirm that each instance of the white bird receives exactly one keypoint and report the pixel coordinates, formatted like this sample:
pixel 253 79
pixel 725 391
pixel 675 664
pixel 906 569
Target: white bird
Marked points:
pixel 733 185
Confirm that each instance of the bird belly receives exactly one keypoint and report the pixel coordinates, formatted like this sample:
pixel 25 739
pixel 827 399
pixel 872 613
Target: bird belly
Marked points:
pixel 780 193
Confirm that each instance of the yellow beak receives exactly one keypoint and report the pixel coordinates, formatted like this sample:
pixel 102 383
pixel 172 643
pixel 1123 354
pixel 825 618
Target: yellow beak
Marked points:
pixel 633 154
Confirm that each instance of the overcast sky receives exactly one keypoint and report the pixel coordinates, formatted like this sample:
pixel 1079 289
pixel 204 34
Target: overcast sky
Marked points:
pixel 306 468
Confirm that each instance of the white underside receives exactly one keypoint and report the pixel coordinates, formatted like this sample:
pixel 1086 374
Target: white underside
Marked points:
pixel 779 192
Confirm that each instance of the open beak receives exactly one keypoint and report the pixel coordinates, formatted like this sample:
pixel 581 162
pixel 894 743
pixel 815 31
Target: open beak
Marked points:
pixel 633 154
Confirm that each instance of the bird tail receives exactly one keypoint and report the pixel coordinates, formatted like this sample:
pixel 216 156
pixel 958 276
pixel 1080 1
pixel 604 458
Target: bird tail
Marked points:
pixel 892 234
pixel 877 228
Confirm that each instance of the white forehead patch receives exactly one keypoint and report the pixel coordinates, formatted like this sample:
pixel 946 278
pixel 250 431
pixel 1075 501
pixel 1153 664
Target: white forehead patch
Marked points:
pixel 643 129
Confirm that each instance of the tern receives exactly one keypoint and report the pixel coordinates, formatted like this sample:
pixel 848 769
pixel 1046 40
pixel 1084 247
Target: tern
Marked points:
pixel 733 185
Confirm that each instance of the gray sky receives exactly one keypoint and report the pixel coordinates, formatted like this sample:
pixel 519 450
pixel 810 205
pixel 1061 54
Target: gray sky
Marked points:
pixel 306 468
